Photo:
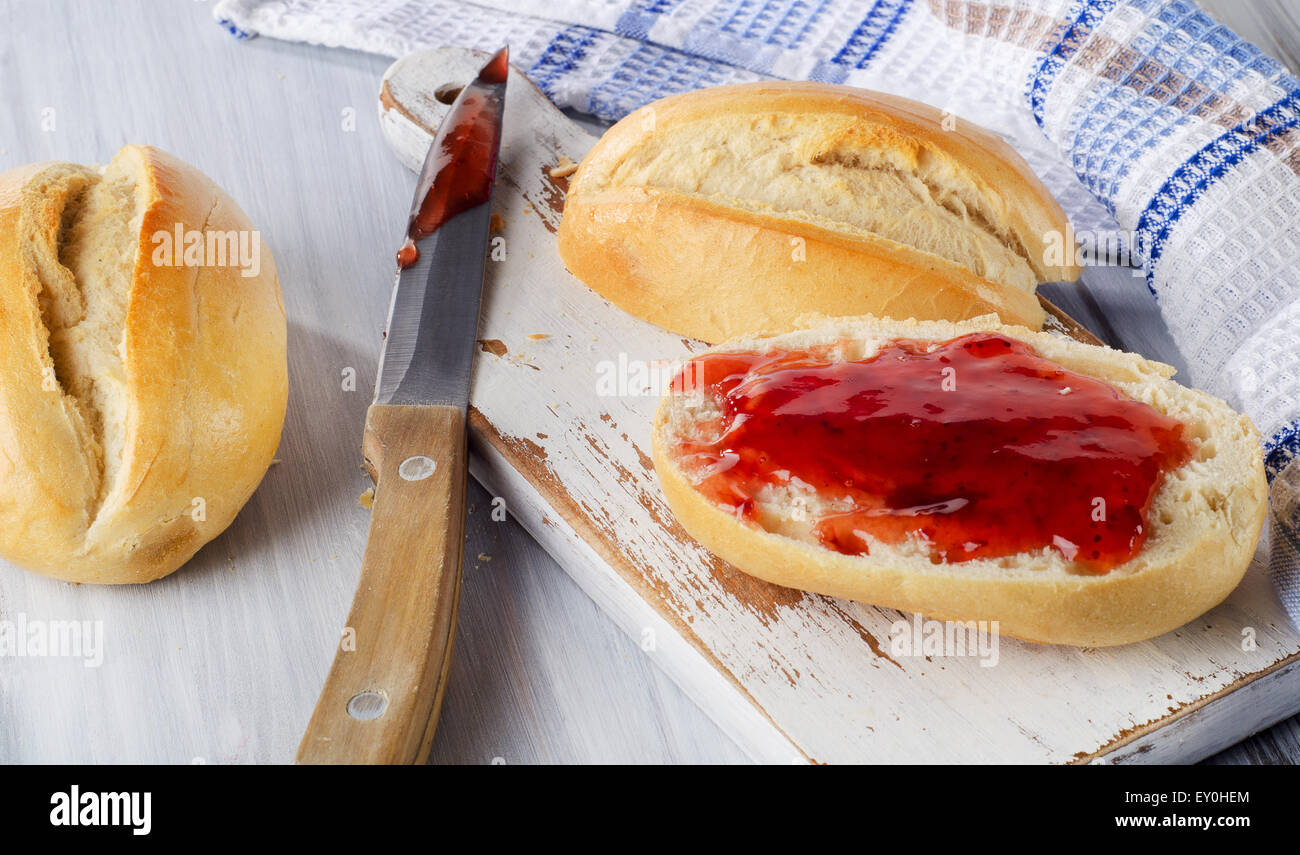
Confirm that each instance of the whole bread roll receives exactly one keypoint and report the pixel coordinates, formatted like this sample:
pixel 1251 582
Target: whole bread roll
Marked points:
pixel 732 210
pixel 142 389
pixel 1201 529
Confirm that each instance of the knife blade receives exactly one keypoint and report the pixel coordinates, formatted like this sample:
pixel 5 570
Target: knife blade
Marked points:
pixel 384 690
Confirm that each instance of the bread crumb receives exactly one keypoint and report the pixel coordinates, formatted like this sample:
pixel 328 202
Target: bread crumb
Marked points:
pixel 367 498
pixel 564 168
pixel 483 556
pixel 538 336
pixel 494 346
pixel 496 223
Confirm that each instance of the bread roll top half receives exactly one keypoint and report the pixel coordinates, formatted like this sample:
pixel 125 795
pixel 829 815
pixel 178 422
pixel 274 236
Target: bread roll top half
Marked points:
pixel 723 211
pixel 142 392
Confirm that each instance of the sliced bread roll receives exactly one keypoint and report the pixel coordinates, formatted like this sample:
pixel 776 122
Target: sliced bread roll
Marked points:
pixel 727 211
pixel 1197 533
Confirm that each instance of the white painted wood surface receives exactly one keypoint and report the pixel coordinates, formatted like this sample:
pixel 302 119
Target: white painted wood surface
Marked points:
pixel 223 660
pixel 572 460
pixel 224 665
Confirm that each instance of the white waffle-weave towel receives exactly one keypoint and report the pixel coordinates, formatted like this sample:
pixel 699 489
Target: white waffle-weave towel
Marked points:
pixel 1145 118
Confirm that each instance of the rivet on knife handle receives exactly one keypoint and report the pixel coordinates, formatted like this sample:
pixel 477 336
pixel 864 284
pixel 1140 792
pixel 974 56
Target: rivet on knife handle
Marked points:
pixel 381 700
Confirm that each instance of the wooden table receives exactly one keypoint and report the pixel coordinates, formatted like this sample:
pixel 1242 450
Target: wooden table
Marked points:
pixel 540 674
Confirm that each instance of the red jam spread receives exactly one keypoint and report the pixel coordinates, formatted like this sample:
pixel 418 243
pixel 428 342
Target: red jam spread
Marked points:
pixel 978 444
pixel 461 176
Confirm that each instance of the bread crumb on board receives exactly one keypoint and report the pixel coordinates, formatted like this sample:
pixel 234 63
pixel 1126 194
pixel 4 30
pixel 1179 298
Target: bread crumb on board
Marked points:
pixel 496 223
pixel 494 346
pixel 538 336
pixel 564 168
pixel 367 498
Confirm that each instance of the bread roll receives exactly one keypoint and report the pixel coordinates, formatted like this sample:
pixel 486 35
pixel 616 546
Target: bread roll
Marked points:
pixel 141 392
pixel 1202 525
pixel 732 210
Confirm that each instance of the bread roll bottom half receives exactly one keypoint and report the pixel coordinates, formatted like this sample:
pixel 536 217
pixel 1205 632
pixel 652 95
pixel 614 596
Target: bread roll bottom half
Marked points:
pixel 143 376
pixel 965 471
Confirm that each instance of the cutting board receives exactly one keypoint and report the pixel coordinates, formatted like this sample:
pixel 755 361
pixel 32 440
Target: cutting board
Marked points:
pixel 564 389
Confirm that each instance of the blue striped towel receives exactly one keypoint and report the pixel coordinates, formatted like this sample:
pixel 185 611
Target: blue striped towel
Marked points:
pixel 1145 118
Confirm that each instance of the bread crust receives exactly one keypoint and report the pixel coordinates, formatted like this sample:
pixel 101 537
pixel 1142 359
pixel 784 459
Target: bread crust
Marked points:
pixel 203 387
pixel 1189 565
pixel 707 267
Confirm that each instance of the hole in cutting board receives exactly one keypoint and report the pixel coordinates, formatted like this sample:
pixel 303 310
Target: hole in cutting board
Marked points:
pixel 366 706
pixel 447 92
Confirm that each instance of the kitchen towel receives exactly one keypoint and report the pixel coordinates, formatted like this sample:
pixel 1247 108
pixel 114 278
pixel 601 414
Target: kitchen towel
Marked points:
pixel 1168 139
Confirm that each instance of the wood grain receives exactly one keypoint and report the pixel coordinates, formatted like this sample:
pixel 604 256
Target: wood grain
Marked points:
pixel 1060 321
pixel 397 643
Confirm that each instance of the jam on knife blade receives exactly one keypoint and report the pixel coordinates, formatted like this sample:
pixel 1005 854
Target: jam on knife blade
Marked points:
pixel 461 165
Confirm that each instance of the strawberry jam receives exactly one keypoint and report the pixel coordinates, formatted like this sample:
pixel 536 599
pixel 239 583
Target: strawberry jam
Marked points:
pixel 977 444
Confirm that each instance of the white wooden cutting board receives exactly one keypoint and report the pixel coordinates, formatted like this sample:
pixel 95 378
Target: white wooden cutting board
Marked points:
pixel 791 676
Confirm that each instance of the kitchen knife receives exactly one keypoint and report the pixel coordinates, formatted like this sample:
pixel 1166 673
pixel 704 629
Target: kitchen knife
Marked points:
pixel 381 699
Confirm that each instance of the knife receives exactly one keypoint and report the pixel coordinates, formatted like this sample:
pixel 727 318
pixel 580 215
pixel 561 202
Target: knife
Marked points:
pixel 383 693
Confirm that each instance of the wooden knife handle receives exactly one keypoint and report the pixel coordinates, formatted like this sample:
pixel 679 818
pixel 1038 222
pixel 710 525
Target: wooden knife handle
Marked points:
pixel 396 648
